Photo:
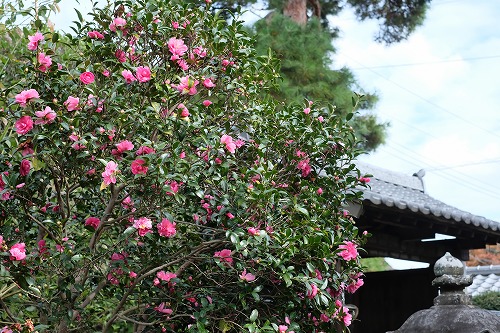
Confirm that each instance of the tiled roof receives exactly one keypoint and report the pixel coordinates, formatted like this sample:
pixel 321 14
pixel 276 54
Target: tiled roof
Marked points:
pixel 406 192
pixel 486 278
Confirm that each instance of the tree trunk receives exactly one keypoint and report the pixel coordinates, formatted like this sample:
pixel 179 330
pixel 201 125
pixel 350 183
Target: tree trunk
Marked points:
pixel 296 10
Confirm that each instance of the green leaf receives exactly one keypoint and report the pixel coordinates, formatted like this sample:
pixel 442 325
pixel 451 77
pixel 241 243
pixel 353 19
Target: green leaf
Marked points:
pixel 224 326
pixel 80 17
pixel 254 315
pixel 302 210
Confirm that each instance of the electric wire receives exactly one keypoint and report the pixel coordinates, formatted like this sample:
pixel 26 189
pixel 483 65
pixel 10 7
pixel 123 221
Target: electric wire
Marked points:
pixel 465 120
pixel 427 62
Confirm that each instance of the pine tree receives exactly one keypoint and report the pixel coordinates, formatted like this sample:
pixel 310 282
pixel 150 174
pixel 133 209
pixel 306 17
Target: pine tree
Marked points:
pixel 300 34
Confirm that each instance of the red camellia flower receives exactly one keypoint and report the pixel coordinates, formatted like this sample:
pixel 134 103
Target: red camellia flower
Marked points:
pixel 138 167
pixel 25 167
pixel 92 222
pixel 87 77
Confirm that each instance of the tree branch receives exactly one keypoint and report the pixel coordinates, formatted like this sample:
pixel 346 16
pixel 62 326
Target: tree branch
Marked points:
pixel 115 191
pixel 93 294
pixel 195 251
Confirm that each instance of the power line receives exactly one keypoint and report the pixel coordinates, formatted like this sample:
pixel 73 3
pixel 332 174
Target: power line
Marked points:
pixel 429 101
pixel 463 179
pixel 464 165
pixel 428 62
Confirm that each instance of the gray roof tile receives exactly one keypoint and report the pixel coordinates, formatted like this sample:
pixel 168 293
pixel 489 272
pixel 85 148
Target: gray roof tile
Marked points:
pixel 487 280
pixel 394 189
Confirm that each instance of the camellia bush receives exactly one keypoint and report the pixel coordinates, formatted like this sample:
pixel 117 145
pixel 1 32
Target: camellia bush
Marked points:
pixel 148 184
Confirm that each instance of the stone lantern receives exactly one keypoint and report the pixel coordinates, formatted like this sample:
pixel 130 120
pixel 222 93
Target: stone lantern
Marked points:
pixel 453 311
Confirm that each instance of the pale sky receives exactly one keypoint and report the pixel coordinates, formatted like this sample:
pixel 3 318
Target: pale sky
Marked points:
pixel 439 91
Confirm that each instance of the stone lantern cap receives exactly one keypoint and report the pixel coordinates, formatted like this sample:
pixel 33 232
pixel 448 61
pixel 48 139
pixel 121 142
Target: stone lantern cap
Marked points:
pixel 453 311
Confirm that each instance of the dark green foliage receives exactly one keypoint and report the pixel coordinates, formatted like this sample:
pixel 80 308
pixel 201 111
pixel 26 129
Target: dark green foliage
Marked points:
pixel 489 300
pixel 398 18
pixel 306 67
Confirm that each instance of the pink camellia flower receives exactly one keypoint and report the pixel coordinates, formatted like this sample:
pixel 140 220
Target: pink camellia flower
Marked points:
pixel 120 55
pixel 312 292
pixel 119 256
pixel 109 174
pixel 355 285
pixel 207 102
pixel 253 231
pixel 282 328
pixel 44 62
pixel 364 180
pixel 319 191
pixel 24 168
pixel 105 72
pixel 117 24
pixel 183 64
pixel 304 166
pixel 25 96
pixel 124 145
pixel 73 137
pixel 307 110
pixel 42 247
pixel 187 86
pixel 321 119
pixel 349 252
pixel 145 150
pixel 175 25
pixel 72 103
pixel 224 256
pixel 208 83
pixel 143 226
pixel 230 215
pixel 248 277
pixel 23 125
pixel 166 276
pixel 347 316
pixel 143 73
pixel 138 167
pixel 18 251
pixel 200 51
pixel 128 76
pixel 239 143
pixel 92 222
pixel 87 77
pixel 2 184
pixel 228 141
pixel 127 203
pixel 161 308
pixel 174 186
pixel 20 185
pixel 46 116
pixel 33 41
pixel 166 228
pixel 177 48
pixel 95 35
